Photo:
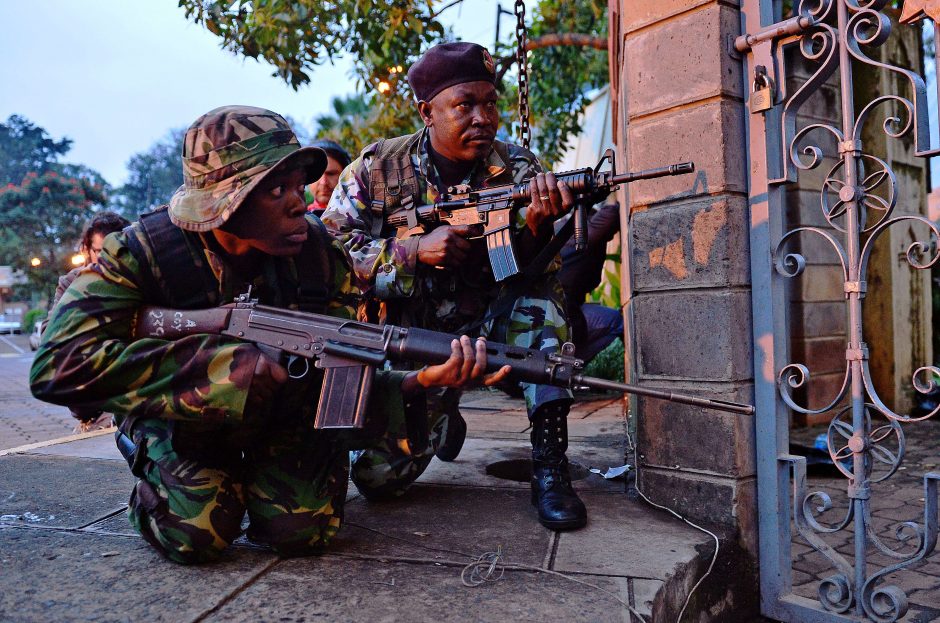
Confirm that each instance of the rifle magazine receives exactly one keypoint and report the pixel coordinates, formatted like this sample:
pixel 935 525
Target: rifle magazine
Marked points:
pixel 344 398
pixel 502 256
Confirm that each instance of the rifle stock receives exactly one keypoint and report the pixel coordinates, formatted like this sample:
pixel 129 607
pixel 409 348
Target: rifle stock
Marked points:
pixel 349 351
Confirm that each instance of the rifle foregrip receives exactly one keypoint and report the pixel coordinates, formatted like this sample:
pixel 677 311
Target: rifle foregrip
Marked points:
pixel 433 348
pixel 172 324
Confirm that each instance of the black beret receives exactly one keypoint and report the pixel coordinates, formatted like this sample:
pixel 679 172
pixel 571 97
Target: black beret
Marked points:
pixel 448 64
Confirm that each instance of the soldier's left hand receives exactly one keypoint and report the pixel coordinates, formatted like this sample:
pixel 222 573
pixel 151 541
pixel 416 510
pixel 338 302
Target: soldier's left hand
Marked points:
pixel 466 367
pixel 550 199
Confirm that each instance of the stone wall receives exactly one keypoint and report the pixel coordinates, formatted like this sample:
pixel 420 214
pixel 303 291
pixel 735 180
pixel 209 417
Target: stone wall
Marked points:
pixel 678 96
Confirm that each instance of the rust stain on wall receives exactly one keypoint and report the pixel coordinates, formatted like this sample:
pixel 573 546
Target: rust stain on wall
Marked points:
pixel 705 230
pixel 671 257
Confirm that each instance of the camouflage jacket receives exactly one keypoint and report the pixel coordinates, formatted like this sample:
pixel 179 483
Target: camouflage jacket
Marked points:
pixel 391 264
pixel 88 359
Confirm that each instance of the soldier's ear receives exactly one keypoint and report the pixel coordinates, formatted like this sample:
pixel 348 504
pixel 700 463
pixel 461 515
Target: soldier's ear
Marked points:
pixel 424 109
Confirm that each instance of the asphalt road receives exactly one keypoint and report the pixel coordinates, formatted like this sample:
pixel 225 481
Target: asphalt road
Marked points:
pixel 23 419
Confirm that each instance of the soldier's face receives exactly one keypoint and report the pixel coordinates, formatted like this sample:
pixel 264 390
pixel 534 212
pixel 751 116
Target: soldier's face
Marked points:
pixel 323 187
pixel 271 219
pixel 462 120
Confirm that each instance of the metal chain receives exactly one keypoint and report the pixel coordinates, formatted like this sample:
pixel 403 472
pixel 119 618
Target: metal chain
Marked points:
pixel 522 61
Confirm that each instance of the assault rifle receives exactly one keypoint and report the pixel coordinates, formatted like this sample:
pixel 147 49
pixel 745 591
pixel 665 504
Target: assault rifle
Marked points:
pixel 491 208
pixel 349 351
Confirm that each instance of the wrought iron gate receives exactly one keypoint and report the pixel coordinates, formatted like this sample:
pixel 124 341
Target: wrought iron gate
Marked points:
pixel 858 201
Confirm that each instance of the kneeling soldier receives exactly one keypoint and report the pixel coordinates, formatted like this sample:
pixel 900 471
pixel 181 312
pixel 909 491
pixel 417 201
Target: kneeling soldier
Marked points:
pixel 217 426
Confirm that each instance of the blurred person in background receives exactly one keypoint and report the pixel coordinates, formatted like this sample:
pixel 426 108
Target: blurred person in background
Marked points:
pixel 319 193
pixel 96 229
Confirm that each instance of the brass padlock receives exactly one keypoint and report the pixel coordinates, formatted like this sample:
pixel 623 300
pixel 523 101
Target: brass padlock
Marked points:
pixel 762 94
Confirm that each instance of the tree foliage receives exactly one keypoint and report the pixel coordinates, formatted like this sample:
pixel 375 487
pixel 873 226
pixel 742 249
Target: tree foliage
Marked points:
pixel 563 77
pixel 44 204
pixel 360 119
pixel 384 37
pixel 153 177
pixel 26 147
pixel 46 212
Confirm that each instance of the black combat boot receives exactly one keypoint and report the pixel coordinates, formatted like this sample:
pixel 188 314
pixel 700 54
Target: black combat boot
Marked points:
pixel 455 427
pixel 559 507
pixel 455 432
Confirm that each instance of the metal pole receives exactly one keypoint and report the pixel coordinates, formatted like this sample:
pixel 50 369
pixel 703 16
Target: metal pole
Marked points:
pixel 770 334
pixel 859 489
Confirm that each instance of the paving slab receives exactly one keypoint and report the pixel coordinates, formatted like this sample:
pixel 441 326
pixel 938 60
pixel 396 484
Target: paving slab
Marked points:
pixel 61 491
pixel 492 400
pixel 445 524
pixel 628 538
pixel 78 576
pixel 470 467
pixel 490 423
pixel 334 589
pixel 114 525
pixel 97 447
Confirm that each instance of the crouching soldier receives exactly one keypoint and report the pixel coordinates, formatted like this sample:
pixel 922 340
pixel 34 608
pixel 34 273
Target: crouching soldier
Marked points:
pixel 218 427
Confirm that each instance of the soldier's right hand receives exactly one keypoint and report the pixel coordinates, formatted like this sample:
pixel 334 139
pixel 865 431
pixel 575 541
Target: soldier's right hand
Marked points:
pixel 268 376
pixel 445 246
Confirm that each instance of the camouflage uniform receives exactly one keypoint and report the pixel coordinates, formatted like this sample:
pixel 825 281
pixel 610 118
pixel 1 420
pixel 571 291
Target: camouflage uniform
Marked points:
pixel 201 458
pixel 442 300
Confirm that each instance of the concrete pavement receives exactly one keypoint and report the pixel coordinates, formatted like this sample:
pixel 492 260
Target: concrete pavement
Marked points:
pixel 67 552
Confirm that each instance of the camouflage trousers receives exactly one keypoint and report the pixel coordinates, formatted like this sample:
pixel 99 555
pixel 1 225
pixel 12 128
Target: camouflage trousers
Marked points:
pixel 535 320
pixel 195 486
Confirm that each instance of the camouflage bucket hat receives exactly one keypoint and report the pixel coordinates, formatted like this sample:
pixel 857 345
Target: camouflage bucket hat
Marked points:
pixel 226 154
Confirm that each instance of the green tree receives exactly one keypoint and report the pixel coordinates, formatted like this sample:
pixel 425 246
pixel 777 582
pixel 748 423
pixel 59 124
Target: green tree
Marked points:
pixel 385 37
pixel 152 177
pixel 26 147
pixel 350 123
pixel 45 214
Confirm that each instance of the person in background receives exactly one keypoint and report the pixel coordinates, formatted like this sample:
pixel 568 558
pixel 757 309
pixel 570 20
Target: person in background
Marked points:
pixel 101 224
pixel 319 193
pixel 593 326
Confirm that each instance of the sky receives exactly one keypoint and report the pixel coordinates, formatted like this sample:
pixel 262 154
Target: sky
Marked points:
pixel 115 76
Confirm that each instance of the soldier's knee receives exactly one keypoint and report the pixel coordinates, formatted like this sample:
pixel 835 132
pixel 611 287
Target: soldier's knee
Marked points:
pixel 380 476
pixel 185 540
pixel 298 534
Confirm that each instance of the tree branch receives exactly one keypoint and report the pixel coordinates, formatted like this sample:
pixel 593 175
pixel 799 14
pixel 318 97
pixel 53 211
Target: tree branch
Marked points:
pixel 567 38
pixel 444 8
pixel 549 40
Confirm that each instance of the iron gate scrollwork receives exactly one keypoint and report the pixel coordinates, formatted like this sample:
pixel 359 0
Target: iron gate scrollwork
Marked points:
pixel 858 200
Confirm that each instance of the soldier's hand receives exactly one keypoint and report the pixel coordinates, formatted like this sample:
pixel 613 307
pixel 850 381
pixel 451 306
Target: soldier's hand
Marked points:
pixel 466 367
pixel 445 246
pixel 550 200
pixel 268 376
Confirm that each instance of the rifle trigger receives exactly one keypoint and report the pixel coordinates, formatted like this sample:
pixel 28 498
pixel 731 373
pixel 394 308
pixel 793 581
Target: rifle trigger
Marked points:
pixel 291 365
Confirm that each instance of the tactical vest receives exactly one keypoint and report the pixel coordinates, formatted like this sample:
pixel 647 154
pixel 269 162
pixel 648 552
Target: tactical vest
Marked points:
pixel 175 272
pixel 393 181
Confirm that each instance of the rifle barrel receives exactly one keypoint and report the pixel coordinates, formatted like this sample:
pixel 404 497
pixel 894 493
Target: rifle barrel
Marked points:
pixel 680 168
pixel 721 405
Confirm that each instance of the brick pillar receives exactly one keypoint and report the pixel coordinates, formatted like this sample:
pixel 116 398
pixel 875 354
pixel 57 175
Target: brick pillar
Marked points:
pixel 678 96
